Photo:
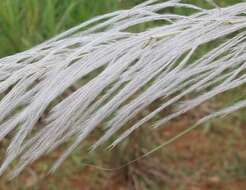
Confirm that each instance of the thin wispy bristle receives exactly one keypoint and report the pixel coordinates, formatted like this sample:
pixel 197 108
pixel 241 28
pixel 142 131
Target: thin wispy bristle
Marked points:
pixel 107 70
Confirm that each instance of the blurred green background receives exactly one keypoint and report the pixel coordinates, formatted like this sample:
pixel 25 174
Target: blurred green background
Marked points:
pixel 201 161
pixel 28 22
pixel 24 23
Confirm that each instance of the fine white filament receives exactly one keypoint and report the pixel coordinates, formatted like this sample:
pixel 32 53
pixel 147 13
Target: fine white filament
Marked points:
pixel 115 71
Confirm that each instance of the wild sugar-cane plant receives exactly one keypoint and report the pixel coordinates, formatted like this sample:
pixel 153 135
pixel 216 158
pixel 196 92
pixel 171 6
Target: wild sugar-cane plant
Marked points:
pixel 116 72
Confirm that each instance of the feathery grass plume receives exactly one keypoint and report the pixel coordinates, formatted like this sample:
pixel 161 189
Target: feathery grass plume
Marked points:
pixel 115 73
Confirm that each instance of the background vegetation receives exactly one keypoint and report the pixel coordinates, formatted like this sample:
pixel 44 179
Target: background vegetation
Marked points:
pixel 213 157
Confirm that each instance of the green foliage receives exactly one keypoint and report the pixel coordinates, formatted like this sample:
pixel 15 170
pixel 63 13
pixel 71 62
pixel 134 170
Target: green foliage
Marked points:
pixel 25 23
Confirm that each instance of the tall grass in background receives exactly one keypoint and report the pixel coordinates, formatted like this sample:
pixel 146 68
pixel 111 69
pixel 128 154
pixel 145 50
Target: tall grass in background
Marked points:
pixel 25 23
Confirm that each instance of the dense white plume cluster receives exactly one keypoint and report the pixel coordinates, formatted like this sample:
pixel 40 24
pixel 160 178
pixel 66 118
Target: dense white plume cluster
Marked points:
pixel 116 70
